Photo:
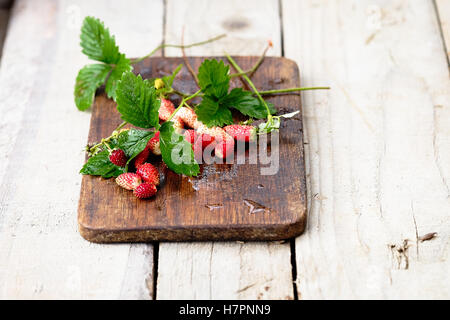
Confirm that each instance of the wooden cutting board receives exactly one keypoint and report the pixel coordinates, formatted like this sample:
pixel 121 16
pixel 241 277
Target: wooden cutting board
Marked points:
pixel 226 201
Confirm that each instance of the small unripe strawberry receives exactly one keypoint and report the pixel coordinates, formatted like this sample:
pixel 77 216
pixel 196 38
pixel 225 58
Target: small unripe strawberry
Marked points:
pixel 148 173
pixel 159 83
pixel 241 132
pixel 118 157
pixel 145 190
pixel 129 181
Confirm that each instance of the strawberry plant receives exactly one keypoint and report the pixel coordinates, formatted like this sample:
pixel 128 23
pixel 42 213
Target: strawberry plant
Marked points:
pixel 143 103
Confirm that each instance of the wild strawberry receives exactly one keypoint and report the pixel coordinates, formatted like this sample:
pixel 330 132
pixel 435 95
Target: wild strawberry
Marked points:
pixel 142 157
pixel 118 157
pixel 203 139
pixel 225 142
pixel 241 132
pixel 153 144
pixel 145 190
pixel 129 181
pixel 189 136
pixel 189 117
pixel 148 173
pixel 178 123
pixel 166 109
pixel 224 148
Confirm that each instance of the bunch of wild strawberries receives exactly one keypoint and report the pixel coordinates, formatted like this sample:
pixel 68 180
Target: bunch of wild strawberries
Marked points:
pixel 147 178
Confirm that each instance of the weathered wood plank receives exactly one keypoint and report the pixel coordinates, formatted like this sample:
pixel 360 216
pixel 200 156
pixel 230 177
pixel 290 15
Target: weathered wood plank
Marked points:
pixel 378 151
pixel 41 139
pixel 224 270
pixel 443 7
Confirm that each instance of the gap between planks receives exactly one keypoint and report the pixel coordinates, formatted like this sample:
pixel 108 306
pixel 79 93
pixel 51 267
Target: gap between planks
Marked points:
pixel 442 8
pixel 240 42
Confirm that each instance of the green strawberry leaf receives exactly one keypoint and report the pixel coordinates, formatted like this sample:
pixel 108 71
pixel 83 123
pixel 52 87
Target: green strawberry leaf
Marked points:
pixel 133 141
pixel 122 66
pixel 247 104
pixel 213 113
pixel 176 152
pixel 214 78
pixel 100 165
pixel 97 43
pixel 88 80
pixel 137 101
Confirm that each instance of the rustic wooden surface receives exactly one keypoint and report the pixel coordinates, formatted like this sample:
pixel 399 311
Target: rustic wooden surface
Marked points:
pixel 215 204
pixel 377 156
pixel 215 270
pixel 378 152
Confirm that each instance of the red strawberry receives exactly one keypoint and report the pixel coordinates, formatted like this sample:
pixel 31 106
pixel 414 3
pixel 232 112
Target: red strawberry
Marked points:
pixel 202 140
pixel 129 181
pixel 241 132
pixel 148 173
pixel 166 109
pixel 119 158
pixel 142 157
pixel 224 148
pixel 205 139
pixel 189 136
pixel 153 144
pixel 189 117
pixel 145 190
pixel 225 142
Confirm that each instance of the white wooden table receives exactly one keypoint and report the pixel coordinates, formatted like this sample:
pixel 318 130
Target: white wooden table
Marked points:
pixel 378 152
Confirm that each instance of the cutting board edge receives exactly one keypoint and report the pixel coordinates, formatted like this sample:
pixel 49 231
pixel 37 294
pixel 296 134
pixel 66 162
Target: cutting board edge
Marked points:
pixel 197 233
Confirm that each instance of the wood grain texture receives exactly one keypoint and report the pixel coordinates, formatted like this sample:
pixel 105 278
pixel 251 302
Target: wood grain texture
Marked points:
pixel 214 205
pixel 443 8
pixel 378 156
pixel 41 138
pixel 248 26
pixel 224 270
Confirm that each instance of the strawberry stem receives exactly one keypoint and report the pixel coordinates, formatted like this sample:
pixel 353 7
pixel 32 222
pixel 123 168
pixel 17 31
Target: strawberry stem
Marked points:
pixel 183 102
pixel 104 142
pixel 244 75
pixel 269 92
pixel 163 45
pixel 255 66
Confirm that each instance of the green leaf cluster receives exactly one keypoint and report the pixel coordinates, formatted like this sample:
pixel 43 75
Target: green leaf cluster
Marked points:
pixel 138 104
pixel 132 142
pixel 215 108
pixel 99 45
